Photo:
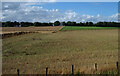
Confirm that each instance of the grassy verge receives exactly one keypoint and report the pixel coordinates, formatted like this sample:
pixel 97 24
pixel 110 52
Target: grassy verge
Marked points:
pixel 83 28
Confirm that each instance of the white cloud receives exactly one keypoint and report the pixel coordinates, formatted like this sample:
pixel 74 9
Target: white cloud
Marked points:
pixel 6 6
pixel 70 14
pixel 60 0
pixel 26 12
pixel 114 16
pixel 28 0
pixel 98 15
pixel 49 0
pixel 57 10
pixel 52 10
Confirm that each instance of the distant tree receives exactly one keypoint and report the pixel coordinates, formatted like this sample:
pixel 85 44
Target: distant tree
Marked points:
pixel 50 24
pixel 99 24
pixel 63 23
pixel 81 24
pixel 37 24
pixel 90 24
pixel 56 23
pixel 69 23
pixel 31 24
pixel 87 23
pixel 7 24
pixel 44 24
pixel 22 24
pixel 15 24
pixel 73 23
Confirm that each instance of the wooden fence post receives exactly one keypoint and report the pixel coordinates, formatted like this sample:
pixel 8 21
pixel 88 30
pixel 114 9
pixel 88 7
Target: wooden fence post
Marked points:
pixel 46 71
pixel 18 72
pixel 117 66
pixel 95 68
pixel 72 69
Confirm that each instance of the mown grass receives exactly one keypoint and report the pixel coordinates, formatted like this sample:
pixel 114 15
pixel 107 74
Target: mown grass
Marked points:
pixel 83 28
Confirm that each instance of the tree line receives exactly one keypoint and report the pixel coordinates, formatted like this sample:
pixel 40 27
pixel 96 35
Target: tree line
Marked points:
pixel 57 23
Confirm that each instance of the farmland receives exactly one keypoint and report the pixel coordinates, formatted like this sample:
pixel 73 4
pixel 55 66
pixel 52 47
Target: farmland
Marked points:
pixel 67 28
pixel 30 29
pixel 33 52
pixel 7 32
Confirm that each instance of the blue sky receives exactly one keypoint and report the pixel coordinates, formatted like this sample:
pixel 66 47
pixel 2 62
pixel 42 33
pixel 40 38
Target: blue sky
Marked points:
pixel 60 0
pixel 62 11
pixel 91 8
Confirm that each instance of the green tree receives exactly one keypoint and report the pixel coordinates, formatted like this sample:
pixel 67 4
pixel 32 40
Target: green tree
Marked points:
pixel 69 23
pixel 56 23
pixel 37 24
pixel 73 23
pixel 50 24
pixel 7 24
pixel 90 24
pixel 63 23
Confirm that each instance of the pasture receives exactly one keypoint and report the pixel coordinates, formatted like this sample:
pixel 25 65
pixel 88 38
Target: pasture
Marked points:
pixel 32 53
pixel 70 28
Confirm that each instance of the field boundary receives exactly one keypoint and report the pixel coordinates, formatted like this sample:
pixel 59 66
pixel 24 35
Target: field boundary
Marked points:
pixel 7 34
pixel 95 72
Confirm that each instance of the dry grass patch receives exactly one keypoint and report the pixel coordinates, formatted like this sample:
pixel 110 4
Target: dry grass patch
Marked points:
pixel 15 31
pixel 32 53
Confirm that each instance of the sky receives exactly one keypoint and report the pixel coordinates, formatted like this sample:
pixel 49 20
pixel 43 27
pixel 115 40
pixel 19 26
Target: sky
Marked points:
pixel 59 0
pixel 59 11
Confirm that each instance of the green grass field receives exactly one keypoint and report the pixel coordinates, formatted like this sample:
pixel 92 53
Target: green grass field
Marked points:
pixel 84 28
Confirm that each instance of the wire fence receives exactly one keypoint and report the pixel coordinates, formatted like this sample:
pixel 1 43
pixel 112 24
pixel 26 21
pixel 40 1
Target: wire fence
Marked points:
pixel 72 70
